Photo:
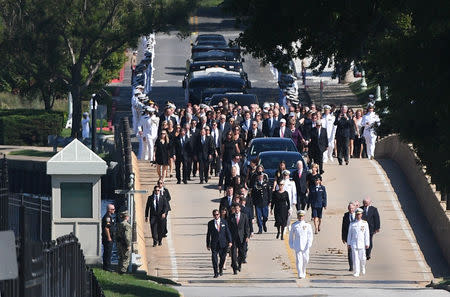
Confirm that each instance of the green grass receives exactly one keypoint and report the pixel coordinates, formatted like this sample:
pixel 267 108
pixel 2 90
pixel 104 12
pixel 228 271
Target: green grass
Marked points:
pixel 208 3
pixel 133 285
pixel 32 153
pixel 66 132
pixel 363 96
pixel 11 101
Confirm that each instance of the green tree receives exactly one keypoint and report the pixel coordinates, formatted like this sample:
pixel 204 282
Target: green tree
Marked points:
pixel 89 39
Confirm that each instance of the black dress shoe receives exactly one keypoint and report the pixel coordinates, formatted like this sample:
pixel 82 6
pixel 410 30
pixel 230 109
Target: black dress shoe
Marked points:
pixel 185 182
pixel 216 275
pixel 278 235
pixel 350 269
pixel 368 258
pixel 340 163
pixel 220 272
pixel 201 182
pixel 259 232
pixel 244 262
pixel 160 243
pixel 322 172
pixel 281 237
pixel 154 244
pixel 234 271
pixel 264 227
pixel 206 181
pixel 178 182
pixel 239 268
pixel 346 162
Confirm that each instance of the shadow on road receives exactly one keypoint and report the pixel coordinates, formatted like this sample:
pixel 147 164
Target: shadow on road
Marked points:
pixel 419 224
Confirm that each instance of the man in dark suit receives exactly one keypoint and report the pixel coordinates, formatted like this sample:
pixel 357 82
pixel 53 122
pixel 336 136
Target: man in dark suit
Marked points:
pixel 204 150
pixel 240 233
pixel 183 154
pixel 247 121
pixel 253 132
pixel 299 178
pixel 223 126
pixel 167 116
pixel 157 208
pixel 269 125
pixel 165 192
pixel 227 201
pixel 372 217
pixel 282 131
pixel 195 133
pixel 218 240
pixel 343 124
pixel 349 217
pixel 318 145
pixel 247 209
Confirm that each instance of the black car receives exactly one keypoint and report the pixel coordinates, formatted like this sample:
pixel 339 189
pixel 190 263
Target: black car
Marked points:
pixel 201 87
pixel 267 144
pixel 210 38
pixel 237 99
pixel 216 55
pixel 228 65
pixel 206 48
pixel 271 160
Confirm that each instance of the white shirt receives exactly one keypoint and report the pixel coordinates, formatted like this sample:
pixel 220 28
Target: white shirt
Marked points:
pixel 217 223
pixel 328 124
pixel 301 236
pixel 358 235
pixel 368 122
pixel 156 198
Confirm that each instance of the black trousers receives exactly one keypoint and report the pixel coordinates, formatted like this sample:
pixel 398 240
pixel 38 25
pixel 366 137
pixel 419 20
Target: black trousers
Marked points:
pixel 107 252
pixel 186 168
pixel 216 164
pixel 301 201
pixel 157 228
pixel 194 166
pixel 342 148
pixel 369 250
pixel 222 253
pixel 237 254
pixel 316 157
pixel 203 169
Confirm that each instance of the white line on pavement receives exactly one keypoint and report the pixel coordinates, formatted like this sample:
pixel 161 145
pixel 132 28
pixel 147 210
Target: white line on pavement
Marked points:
pixel 401 218
pixel 161 81
pixel 173 259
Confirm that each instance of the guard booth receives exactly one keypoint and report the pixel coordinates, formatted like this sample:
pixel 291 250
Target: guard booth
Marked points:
pixel 76 196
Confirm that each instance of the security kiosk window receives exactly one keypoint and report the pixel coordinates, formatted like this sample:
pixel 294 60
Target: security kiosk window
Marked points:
pixel 76 200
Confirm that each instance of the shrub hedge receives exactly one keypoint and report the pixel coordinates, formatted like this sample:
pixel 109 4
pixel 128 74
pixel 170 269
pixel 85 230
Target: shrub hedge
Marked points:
pixel 29 126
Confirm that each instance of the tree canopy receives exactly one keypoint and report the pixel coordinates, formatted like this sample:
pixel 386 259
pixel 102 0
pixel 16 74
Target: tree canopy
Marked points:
pixel 76 46
pixel 401 44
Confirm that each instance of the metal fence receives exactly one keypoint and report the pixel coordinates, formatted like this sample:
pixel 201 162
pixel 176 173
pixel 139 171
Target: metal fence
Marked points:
pixel 46 268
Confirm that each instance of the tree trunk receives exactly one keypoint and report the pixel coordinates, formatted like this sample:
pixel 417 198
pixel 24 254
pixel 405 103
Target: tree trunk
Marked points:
pixel 76 98
pixel 47 99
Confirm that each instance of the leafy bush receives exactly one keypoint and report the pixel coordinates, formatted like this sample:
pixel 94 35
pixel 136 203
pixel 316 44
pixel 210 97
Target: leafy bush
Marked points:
pixel 28 126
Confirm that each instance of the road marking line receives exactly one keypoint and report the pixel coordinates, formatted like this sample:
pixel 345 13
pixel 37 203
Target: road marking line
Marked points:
pixel 161 81
pixel 173 259
pixel 403 224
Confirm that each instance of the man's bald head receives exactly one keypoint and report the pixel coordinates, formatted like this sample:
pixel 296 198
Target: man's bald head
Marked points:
pixel 367 201
pixel 111 208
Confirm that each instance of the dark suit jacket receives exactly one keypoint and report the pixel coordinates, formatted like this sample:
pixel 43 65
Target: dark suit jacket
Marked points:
pixel 318 145
pixel 166 194
pixel 218 239
pixel 268 131
pixel 155 214
pixel 205 149
pixel 183 152
pixel 225 130
pixel 239 232
pixel 287 132
pixel 224 203
pixel 244 125
pixel 372 218
pixel 250 135
pixel 162 118
pixel 343 127
pixel 345 224
pixel 219 138
pixel 300 183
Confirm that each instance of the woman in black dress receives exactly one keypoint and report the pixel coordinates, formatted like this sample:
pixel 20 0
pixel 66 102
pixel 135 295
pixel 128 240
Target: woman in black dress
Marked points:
pixel 162 154
pixel 228 149
pixel 280 201
pixel 279 174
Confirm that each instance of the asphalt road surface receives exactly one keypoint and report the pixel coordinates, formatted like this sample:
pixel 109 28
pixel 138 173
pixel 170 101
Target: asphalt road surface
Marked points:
pixel 405 255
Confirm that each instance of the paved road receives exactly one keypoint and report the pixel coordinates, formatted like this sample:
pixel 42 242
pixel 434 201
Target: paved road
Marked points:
pixel 405 256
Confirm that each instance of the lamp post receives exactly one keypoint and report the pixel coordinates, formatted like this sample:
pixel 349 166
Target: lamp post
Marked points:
pixel 378 93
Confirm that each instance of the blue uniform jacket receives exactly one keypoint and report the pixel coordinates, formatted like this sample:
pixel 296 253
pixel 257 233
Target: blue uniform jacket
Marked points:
pixel 317 196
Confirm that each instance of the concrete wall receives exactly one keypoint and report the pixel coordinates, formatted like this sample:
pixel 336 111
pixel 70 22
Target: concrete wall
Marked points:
pixel 393 148
pixel 140 201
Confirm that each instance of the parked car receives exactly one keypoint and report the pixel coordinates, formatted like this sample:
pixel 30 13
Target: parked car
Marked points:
pixel 237 99
pixel 216 55
pixel 267 144
pixel 271 160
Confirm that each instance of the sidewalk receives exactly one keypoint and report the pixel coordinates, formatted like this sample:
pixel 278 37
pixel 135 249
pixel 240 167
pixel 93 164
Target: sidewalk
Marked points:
pixel 333 92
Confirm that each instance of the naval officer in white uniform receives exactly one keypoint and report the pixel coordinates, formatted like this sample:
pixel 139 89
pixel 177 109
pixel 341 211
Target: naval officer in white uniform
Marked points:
pixel 358 240
pixel 300 240
pixel 370 121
